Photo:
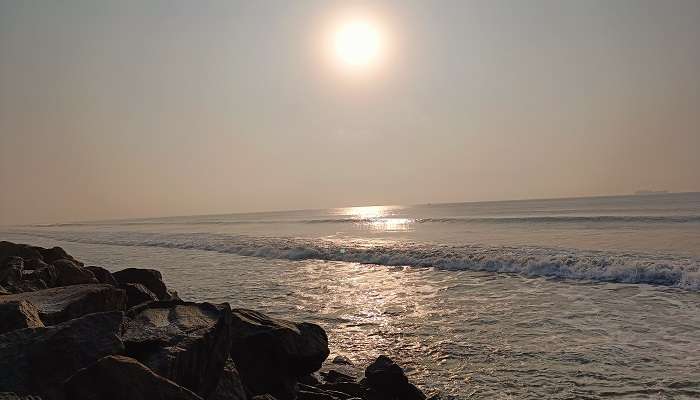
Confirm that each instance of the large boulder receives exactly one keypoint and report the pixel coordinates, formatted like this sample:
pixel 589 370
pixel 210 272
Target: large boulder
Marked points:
pixel 60 304
pixel 272 354
pixel 150 278
pixel 25 251
pixel 18 314
pixel 388 379
pixel 50 256
pixel 70 273
pixel 230 386
pixel 137 294
pixel 122 378
pixel 185 342
pixel 102 275
pixel 38 360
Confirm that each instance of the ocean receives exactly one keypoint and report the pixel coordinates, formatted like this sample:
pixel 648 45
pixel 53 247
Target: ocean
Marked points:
pixel 560 298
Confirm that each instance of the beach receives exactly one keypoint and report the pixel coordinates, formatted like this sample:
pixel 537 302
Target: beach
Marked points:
pixel 514 319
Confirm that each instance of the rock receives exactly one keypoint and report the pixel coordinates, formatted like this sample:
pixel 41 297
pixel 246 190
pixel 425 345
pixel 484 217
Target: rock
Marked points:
pixel 352 389
pixel 272 354
pixel 265 396
pixel 102 275
pixel 69 273
pixel 340 369
pixel 310 379
pixel 185 342
pixel 136 294
pixel 16 279
pixel 333 376
pixel 230 386
pixel 11 271
pixel 342 360
pixel 47 274
pixel 122 378
pixel 38 360
pixel 313 393
pixel 27 252
pixel 18 314
pixel 34 263
pixel 50 256
pixel 15 396
pixel 149 278
pixel 387 378
pixel 60 304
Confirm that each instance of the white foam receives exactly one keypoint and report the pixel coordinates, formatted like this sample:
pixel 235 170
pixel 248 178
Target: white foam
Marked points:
pixel 682 272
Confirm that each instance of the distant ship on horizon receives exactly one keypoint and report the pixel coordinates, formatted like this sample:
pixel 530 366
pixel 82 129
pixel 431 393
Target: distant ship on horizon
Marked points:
pixel 648 192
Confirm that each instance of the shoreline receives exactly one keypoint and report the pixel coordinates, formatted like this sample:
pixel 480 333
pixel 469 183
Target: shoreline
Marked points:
pixel 71 331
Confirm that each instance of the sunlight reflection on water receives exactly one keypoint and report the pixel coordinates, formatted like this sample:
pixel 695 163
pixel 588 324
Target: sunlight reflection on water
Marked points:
pixel 377 218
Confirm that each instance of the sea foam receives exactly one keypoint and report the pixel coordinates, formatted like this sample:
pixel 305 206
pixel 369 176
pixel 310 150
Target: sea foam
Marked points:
pixel 658 269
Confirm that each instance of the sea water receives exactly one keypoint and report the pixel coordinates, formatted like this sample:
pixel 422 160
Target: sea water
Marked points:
pixel 565 298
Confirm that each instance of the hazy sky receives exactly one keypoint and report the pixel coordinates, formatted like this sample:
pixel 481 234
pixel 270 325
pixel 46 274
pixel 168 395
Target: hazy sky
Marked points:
pixel 148 108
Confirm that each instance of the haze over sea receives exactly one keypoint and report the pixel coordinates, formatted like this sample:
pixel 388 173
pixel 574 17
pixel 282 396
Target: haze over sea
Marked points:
pixel 469 296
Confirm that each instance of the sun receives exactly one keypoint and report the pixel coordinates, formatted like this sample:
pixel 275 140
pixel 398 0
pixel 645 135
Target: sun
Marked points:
pixel 358 44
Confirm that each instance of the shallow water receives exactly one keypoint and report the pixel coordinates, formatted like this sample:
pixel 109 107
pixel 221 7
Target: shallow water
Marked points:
pixel 468 334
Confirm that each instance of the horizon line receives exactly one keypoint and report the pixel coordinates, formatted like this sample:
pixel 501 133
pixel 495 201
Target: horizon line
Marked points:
pixel 636 194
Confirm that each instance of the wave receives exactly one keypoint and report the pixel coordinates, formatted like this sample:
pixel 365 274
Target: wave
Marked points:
pixel 676 219
pixel 681 272
pixel 572 218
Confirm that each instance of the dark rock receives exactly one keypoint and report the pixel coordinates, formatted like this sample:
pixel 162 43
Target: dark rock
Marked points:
pixel 15 396
pixel 333 376
pixel 265 396
pixel 272 354
pixel 340 369
pixel 46 274
pixel 34 263
pixel 352 389
pixel 11 271
pixel 38 360
pixel 384 373
pixel 387 378
pixel 310 379
pixel 342 360
pixel 122 378
pixel 69 273
pixel 172 295
pixel 136 294
pixel 27 252
pixel 50 256
pixel 313 393
pixel 60 304
pixel 185 342
pixel 16 279
pixel 149 278
pixel 102 275
pixel 18 314
pixel 230 386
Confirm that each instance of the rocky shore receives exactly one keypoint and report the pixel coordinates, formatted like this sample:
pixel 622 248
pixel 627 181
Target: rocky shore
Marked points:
pixel 75 332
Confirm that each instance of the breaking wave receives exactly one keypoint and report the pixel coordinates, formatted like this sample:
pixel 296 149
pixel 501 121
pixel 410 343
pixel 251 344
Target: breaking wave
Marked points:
pixel 673 271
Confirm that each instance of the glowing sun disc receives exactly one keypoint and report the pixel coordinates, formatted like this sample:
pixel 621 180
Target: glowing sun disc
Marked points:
pixel 358 43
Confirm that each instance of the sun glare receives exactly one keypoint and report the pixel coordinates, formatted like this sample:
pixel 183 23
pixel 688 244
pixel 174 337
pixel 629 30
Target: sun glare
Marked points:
pixel 357 44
